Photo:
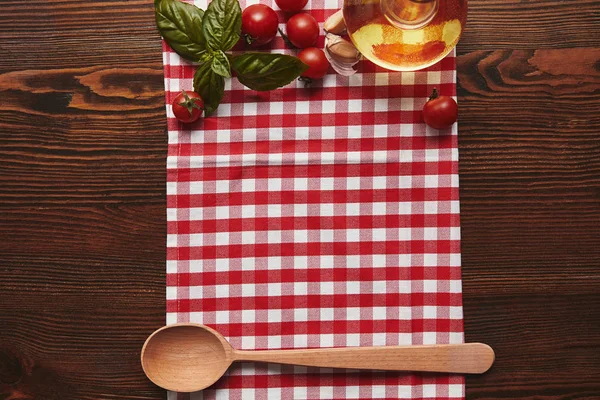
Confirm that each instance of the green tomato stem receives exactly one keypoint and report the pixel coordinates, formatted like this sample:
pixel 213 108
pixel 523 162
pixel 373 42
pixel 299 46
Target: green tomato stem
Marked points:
pixel 190 104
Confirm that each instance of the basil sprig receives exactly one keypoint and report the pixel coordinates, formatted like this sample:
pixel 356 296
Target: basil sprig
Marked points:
pixel 204 37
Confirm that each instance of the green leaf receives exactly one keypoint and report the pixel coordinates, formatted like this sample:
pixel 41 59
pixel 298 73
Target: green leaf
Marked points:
pixel 180 24
pixel 266 71
pixel 222 24
pixel 220 64
pixel 210 86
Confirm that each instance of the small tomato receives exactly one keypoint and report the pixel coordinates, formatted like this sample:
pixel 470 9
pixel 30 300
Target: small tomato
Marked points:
pixel 187 106
pixel 291 5
pixel 440 112
pixel 317 63
pixel 302 30
pixel 259 24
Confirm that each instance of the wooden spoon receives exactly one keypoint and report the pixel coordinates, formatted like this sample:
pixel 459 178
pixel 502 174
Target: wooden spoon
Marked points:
pixel 191 357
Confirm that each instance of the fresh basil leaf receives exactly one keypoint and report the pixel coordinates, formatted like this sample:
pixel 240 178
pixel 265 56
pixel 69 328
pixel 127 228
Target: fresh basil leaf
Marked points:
pixel 210 86
pixel 266 71
pixel 222 24
pixel 220 64
pixel 180 24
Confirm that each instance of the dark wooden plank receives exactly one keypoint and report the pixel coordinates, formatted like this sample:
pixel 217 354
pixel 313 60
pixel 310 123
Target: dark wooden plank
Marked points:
pixel 530 178
pixel 73 135
pixel 51 34
pixel 81 290
pixel 531 24
pixel 82 198
pixel 546 343
pixel 71 33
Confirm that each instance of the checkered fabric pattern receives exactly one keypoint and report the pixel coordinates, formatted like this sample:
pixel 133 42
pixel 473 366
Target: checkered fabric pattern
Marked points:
pixel 317 217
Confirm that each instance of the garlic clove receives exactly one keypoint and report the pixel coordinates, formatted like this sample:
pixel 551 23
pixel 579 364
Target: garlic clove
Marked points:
pixel 335 23
pixel 342 50
pixel 342 54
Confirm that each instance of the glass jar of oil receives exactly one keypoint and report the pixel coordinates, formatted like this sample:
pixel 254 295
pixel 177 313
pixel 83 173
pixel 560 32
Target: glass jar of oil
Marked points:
pixel 405 35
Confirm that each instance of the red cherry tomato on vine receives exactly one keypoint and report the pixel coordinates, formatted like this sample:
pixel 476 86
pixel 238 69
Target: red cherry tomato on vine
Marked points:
pixel 316 61
pixel 187 106
pixel 302 30
pixel 259 24
pixel 440 112
pixel 291 5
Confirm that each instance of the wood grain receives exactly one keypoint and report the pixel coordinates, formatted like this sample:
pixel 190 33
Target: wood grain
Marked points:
pixel 530 211
pixel 531 24
pixel 82 196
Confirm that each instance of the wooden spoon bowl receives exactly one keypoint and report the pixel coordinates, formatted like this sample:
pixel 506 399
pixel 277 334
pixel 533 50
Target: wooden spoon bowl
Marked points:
pixel 186 359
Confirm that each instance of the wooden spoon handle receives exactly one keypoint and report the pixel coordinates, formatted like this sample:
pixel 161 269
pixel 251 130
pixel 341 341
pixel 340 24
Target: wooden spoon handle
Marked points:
pixel 468 358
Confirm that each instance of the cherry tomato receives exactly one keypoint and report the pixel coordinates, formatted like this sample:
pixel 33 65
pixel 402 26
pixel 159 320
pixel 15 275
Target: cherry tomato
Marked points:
pixel 259 24
pixel 302 30
pixel 316 61
pixel 187 106
pixel 440 112
pixel 291 5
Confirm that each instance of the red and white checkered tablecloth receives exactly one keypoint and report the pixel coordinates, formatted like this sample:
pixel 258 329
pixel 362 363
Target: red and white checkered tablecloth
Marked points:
pixel 317 217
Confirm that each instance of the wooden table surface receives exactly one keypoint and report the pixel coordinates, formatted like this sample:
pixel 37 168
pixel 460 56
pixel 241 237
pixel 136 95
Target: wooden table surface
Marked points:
pixel 82 196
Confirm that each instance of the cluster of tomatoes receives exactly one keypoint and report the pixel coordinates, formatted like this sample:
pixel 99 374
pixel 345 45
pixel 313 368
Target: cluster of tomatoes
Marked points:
pixel 260 25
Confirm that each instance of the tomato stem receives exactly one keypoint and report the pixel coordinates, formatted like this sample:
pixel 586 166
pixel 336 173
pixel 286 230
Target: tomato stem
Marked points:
pixel 434 95
pixel 190 104
pixel 307 81
pixel 286 39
